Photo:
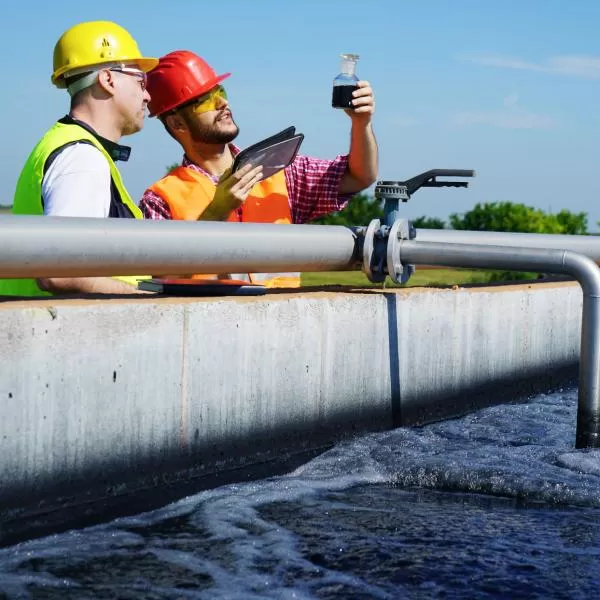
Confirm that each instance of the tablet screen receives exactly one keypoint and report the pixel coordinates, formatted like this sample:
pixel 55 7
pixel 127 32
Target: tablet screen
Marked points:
pixel 273 158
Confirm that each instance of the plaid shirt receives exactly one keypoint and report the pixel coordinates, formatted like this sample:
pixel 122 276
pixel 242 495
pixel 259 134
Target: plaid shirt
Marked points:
pixel 312 186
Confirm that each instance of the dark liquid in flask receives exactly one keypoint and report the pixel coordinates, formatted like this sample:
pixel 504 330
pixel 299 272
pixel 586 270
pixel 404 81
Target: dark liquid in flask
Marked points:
pixel 342 96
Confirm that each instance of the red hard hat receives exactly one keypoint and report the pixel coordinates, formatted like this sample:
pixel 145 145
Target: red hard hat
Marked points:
pixel 179 77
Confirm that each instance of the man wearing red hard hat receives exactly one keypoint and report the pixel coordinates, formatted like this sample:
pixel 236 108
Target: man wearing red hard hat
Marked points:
pixel 187 96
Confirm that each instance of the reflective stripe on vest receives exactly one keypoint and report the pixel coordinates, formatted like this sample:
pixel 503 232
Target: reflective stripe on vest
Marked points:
pixel 28 194
pixel 188 193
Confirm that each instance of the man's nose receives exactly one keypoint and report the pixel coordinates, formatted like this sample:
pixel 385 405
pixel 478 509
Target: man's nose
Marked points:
pixel 221 103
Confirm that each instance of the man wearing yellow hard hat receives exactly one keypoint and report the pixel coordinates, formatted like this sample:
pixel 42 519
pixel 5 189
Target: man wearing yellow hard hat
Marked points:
pixel 71 171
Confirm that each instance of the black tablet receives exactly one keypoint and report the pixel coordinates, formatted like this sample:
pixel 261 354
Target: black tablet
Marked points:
pixel 274 153
pixel 201 287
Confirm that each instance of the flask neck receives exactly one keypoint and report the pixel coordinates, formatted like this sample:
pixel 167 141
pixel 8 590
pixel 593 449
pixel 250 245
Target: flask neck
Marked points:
pixel 348 67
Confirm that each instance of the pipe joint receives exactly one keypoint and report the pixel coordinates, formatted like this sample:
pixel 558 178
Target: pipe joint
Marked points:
pixel 381 251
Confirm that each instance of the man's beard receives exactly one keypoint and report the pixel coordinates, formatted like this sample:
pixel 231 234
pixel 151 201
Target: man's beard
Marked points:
pixel 211 134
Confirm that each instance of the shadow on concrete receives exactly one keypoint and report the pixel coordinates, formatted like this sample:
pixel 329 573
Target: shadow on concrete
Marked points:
pixel 127 485
pixel 394 352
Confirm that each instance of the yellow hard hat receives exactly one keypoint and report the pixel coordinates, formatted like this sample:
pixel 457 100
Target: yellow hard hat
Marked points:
pixel 92 44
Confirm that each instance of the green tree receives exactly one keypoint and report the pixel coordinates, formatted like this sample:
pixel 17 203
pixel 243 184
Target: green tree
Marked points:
pixel 509 216
pixel 360 211
pixel 573 223
pixel 171 167
pixel 428 223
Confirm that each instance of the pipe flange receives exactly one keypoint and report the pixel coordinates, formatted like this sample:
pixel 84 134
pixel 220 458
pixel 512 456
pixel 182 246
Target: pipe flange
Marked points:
pixel 402 229
pixel 373 271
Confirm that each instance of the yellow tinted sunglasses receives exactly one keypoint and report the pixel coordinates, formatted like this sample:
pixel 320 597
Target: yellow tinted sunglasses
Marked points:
pixel 209 101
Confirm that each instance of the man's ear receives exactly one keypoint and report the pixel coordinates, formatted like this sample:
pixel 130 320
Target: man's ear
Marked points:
pixel 175 123
pixel 106 80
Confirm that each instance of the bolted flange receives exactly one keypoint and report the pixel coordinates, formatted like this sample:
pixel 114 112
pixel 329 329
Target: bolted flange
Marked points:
pixel 381 251
pixel 373 266
pixel 402 229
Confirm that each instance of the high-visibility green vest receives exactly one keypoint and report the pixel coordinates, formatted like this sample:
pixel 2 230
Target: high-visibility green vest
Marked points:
pixel 28 194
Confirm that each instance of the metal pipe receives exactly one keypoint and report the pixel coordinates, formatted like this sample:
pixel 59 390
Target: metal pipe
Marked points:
pixel 582 268
pixel 587 245
pixel 33 246
pixel 391 212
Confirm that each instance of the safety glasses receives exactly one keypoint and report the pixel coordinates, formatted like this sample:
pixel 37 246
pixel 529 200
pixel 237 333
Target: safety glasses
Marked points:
pixel 141 76
pixel 209 101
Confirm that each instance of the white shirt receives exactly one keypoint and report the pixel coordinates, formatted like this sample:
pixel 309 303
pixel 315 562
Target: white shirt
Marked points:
pixel 77 183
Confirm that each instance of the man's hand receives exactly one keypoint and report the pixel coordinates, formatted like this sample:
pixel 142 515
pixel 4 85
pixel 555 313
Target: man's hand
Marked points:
pixel 363 102
pixel 232 191
pixel 86 285
pixel 363 156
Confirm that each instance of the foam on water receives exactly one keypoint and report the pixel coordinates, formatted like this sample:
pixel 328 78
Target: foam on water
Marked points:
pixel 262 539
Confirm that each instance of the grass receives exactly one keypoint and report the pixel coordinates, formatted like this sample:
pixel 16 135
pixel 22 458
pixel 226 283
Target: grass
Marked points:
pixel 424 277
pixel 4 210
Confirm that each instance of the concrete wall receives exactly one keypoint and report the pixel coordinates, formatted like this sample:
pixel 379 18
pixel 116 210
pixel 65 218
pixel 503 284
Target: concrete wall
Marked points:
pixel 101 396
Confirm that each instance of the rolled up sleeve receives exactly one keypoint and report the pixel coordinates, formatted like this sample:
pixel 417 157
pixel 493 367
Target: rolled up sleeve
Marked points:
pixel 313 187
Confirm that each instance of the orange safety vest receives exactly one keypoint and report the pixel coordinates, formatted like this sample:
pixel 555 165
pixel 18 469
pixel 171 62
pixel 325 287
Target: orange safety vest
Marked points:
pixel 188 193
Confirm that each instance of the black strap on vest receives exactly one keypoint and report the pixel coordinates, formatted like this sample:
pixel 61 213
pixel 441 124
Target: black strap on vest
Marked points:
pixel 118 209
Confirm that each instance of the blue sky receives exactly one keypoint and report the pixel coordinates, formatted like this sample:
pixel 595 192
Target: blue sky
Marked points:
pixel 509 88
